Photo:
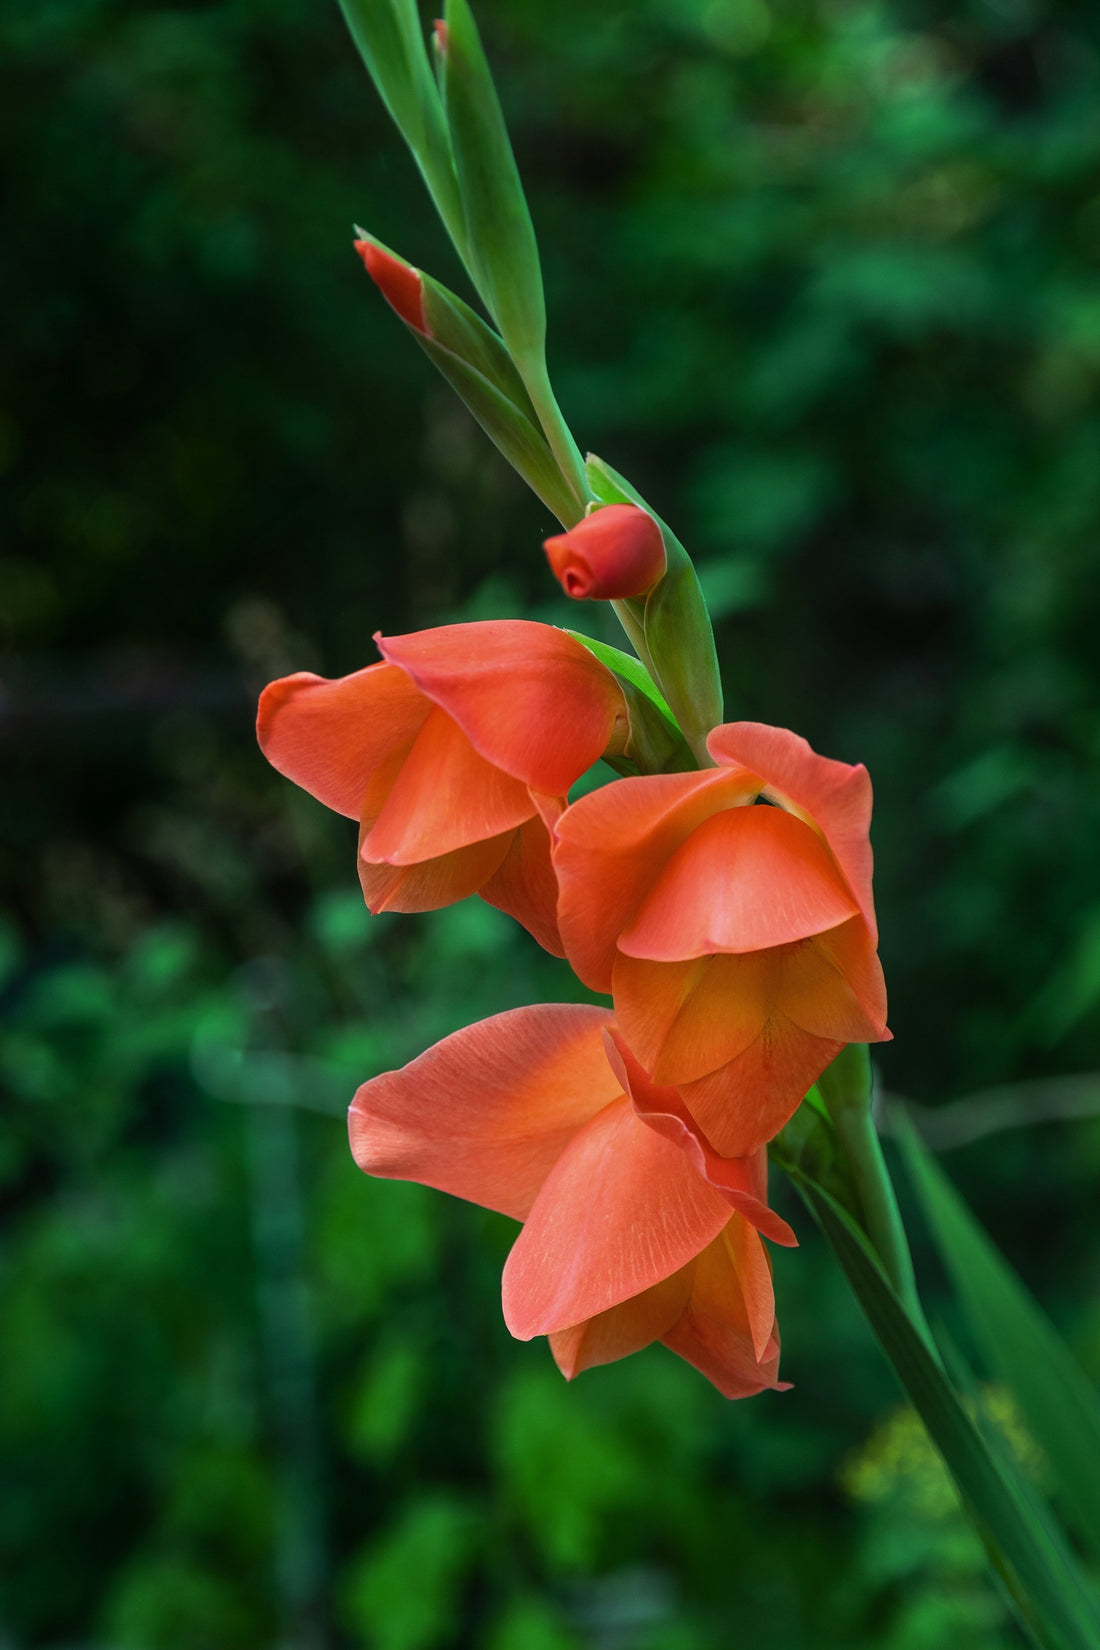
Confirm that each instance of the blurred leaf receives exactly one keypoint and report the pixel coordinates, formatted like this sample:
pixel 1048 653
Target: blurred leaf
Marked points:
pixel 388 1400
pixel 176 1606
pixel 1073 990
pixel 529 1624
pixel 992 778
pixel 568 1474
pixel 402 1591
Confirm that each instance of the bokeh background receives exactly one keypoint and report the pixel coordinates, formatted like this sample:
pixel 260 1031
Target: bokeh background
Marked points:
pixel 824 280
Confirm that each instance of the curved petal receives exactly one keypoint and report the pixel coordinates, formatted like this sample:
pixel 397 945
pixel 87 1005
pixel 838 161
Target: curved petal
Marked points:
pixel 744 1104
pixel 684 1019
pixel 525 885
pixel 836 795
pixel 330 736
pixel 434 882
pixel 623 1329
pixel 530 699
pixel 743 1181
pixel 728 1330
pixel 445 796
pixel 611 844
pixel 621 1210
pixel 745 879
pixel 832 986
pixel 487 1112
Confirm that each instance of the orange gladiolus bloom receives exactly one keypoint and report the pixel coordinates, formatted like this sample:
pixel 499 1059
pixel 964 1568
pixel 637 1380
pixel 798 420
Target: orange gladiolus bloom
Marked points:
pixel 739 942
pixel 617 551
pixel 625 1241
pixel 450 753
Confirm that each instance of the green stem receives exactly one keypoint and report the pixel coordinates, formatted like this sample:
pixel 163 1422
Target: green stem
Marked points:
pixel 1043 1580
pixel 845 1088
pixel 532 369
pixel 881 1216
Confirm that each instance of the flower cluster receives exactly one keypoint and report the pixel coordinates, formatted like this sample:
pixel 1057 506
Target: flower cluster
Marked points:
pixel 726 911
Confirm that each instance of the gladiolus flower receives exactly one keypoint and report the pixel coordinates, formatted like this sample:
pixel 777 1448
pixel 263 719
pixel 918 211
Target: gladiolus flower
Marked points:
pixel 625 1240
pixel 617 551
pixel 739 942
pixel 450 753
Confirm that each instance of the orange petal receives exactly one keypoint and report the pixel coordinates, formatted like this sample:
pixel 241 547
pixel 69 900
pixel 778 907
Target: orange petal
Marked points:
pixel 745 879
pixel 832 986
pixel 743 1181
pixel 621 1210
pixel 330 736
pixel 610 847
pixel 530 699
pixel 444 797
pixel 623 1329
pixel 434 882
pixel 487 1112
pixel 525 885
pixel 684 1019
pixel 836 795
pixel 744 1104
pixel 728 1330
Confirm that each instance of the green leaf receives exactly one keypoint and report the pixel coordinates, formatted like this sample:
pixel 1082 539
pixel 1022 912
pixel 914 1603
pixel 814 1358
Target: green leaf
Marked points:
pixel 474 361
pixel 1058 1403
pixel 521 442
pixel 656 743
pixel 1043 1579
pixel 502 253
pixel 630 669
pixel 391 44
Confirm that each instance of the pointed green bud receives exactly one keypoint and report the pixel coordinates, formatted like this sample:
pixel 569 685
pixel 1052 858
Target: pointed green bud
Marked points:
pixel 476 364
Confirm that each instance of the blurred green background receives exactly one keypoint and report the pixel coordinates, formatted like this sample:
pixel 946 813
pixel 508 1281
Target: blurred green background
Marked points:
pixel 824 280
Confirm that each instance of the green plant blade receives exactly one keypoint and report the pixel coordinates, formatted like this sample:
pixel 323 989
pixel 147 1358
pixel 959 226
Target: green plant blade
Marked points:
pixel 521 442
pixel 656 743
pixel 1041 1575
pixel 1058 1403
pixel 629 668
pixel 503 254
pixel 474 361
pixel 391 44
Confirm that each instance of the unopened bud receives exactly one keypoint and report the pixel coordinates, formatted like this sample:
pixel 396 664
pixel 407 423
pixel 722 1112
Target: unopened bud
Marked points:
pixel 615 552
pixel 399 283
pixel 440 36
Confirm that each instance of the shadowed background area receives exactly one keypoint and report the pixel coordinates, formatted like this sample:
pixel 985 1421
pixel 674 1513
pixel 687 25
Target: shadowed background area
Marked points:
pixel 824 281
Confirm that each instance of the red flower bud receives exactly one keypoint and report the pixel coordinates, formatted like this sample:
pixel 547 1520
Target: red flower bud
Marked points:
pixel 399 283
pixel 615 552
pixel 441 36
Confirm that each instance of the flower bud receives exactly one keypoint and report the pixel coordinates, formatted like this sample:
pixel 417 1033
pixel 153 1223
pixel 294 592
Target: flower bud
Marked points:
pixel 399 283
pixel 615 552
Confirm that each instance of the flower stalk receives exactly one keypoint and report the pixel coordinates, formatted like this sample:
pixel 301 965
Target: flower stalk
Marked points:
pixel 738 943
pixel 847 1088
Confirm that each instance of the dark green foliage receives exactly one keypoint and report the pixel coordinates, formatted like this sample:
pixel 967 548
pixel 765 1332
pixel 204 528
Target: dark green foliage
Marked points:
pixel 822 282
